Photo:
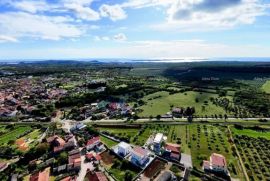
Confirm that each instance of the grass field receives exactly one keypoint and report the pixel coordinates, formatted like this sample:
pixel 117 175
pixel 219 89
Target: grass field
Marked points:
pixel 110 143
pixel 251 133
pixel 4 139
pixel 266 87
pixel 160 103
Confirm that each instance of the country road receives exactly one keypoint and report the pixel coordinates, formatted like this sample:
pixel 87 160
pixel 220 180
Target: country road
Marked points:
pixel 180 121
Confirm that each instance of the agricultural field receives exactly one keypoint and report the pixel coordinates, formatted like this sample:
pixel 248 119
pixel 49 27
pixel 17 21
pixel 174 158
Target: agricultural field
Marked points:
pixel 13 134
pixel 207 139
pixel 160 103
pixel 266 87
pixel 255 155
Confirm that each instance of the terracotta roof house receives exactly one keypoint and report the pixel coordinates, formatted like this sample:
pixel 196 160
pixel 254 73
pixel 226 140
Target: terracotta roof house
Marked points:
pixel 217 163
pixel 173 151
pixel 74 161
pixel 41 176
pixel 92 143
pixel 96 176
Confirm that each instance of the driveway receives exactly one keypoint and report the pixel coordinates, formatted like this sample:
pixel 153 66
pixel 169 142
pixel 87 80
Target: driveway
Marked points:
pixel 84 167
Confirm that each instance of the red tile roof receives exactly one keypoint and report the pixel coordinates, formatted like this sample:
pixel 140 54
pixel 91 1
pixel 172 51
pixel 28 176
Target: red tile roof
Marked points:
pixel 41 176
pixel 206 164
pixel 98 157
pixel 173 147
pixel 218 160
pixel 89 156
pixel 93 140
pixel 140 151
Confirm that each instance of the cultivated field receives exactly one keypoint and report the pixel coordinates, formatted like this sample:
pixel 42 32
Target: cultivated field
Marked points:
pixel 17 132
pixel 254 151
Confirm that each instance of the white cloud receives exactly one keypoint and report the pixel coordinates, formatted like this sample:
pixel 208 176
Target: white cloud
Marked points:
pixel 114 12
pixel 5 38
pixel 30 6
pixel 80 2
pixel 146 3
pixel 187 15
pixel 38 26
pixel 82 12
pixel 120 37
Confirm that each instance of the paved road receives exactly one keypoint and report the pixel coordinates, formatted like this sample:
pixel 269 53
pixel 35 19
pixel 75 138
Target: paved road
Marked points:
pixel 162 121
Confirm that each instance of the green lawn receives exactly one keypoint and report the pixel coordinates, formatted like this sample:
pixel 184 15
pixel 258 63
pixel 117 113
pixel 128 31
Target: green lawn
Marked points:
pixel 12 135
pixel 159 103
pixel 251 133
pixel 266 87
pixel 110 143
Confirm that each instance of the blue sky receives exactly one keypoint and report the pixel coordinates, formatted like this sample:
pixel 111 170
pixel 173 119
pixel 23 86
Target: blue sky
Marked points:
pixel 73 29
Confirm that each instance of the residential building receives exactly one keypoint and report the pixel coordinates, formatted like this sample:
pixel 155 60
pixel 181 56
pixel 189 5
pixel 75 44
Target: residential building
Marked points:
pixel 124 149
pixel 41 176
pixel 74 161
pixel 139 156
pixel 172 151
pixel 217 163
pixel 93 142
pixel 158 142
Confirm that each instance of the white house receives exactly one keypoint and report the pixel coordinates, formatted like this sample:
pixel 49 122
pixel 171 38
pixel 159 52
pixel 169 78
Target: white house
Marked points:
pixel 124 148
pixel 157 142
pixel 139 156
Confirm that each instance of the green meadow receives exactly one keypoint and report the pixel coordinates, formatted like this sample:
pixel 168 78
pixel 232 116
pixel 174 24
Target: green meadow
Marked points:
pixel 160 103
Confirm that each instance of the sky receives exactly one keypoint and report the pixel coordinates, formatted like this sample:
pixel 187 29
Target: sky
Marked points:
pixel 134 29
